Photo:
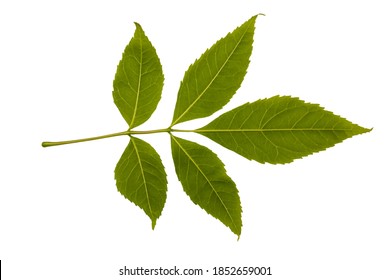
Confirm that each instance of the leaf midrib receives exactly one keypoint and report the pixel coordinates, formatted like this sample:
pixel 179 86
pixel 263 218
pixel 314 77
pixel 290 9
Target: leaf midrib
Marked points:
pixel 212 80
pixel 266 130
pixel 204 175
pixel 144 180
pixel 139 83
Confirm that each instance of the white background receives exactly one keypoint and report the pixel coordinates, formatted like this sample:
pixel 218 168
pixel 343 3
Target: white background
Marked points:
pixel 322 217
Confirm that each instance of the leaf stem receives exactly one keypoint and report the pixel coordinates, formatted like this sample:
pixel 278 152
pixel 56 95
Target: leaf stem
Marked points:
pixel 50 144
pixel 128 132
pixel 182 130
pixel 149 131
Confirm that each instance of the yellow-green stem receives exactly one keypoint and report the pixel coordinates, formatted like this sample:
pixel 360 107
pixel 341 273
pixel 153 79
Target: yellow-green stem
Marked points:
pixel 128 132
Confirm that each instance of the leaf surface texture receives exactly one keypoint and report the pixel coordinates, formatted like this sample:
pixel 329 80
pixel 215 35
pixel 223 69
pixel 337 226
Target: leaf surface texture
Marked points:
pixel 212 80
pixel 205 181
pixel 141 178
pixel 279 129
pixel 138 81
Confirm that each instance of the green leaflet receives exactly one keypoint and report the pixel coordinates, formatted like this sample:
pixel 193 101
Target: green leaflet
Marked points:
pixel 279 129
pixel 138 80
pixel 141 178
pixel 204 179
pixel 212 80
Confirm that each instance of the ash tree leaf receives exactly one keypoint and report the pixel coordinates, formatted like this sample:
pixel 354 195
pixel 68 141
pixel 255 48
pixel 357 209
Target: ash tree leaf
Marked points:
pixel 275 130
pixel 138 80
pixel 212 80
pixel 279 129
pixel 141 178
pixel 205 181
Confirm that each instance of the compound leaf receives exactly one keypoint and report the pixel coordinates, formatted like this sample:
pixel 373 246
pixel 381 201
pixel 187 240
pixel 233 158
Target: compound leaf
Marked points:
pixel 138 80
pixel 212 80
pixel 279 129
pixel 276 130
pixel 141 178
pixel 205 181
